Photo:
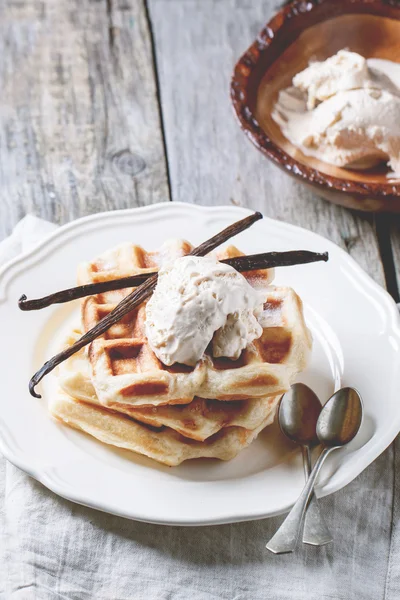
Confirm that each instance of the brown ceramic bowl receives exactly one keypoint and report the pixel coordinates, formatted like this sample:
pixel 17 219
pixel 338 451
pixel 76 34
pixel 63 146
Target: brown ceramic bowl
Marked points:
pixel 315 29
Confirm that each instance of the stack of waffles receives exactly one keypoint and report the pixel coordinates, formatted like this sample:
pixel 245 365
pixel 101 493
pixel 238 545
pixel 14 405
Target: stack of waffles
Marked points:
pixel 118 391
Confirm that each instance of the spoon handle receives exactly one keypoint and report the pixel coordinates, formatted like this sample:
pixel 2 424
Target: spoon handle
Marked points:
pixel 285 539
pixel 315 531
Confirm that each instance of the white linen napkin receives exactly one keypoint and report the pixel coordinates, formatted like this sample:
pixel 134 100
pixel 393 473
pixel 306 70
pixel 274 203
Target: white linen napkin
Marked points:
pixel 52 548
pixel 26 234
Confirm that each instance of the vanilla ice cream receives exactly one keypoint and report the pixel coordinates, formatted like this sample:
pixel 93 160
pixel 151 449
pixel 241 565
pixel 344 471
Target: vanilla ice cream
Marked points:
pixel 344 111
pixel 198 300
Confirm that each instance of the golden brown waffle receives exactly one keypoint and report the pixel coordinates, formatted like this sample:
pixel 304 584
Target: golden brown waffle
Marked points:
pixel 197 420
pixel 162 444
pixel 126 371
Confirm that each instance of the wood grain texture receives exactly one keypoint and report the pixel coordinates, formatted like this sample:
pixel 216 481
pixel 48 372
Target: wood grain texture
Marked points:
pixel 394 229
pixel 210 159
pixel 79 117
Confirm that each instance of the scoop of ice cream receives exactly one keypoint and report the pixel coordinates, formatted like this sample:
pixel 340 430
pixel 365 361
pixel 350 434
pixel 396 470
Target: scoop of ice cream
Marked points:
pixel 343 112
pixel 239 330
pixel 198 300
pixel 322 80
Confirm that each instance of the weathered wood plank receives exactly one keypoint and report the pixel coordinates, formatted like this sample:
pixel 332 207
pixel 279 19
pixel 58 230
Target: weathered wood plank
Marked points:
pixel 79 117
pixel 394 229
pixel 387 228
pixel 210 160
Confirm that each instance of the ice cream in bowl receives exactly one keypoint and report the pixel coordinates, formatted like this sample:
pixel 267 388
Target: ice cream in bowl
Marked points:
pixel 318 93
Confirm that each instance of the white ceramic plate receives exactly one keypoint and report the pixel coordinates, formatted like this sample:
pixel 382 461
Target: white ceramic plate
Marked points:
pixel 356 332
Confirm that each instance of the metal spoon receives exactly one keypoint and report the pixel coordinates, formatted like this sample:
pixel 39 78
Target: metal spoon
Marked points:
pixel 298 414
pixel 338 423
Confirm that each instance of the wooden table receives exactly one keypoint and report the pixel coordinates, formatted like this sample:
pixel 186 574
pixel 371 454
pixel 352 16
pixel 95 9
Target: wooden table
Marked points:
pixel 116 103
pixel 110 104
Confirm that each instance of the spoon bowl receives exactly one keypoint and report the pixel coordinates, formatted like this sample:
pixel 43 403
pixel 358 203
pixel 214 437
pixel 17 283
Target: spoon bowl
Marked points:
pixel 298 414
pixel 340 418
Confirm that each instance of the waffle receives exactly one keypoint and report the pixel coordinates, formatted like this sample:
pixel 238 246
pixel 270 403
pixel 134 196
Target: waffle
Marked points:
pixel 126 371
pixel 163 444
pixel 198 420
